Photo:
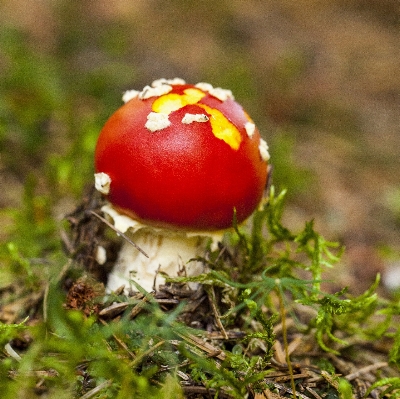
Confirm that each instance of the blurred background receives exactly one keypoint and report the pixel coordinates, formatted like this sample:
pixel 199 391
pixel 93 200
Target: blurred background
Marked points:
pixel 321 79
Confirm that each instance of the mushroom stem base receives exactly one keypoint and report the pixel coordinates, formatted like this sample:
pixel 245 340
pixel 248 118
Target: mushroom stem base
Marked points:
pixel 169 253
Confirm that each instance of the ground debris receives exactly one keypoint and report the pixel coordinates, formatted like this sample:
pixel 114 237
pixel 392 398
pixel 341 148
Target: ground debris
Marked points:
pixel 312 381
pixel 313 372
pixel 83 294
pixel 87 234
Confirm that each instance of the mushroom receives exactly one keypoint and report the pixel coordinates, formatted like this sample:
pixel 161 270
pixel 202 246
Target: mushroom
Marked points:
pixel 176 163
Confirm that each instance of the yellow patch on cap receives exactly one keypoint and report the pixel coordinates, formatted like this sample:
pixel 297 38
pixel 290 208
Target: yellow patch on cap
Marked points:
pixel 172 102
pixel 222 128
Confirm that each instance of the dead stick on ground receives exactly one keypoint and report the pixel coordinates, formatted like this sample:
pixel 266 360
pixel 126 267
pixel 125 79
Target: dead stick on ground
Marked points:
pixel 285 341
pixel 204 346
pixel 216 313
pixel 365 370
pixel 96 390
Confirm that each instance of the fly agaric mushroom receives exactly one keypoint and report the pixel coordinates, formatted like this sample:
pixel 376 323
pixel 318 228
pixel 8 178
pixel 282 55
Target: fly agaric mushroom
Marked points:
pixel 176 162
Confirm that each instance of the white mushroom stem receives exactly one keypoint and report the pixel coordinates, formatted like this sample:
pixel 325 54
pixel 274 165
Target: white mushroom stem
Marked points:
pixel 169 252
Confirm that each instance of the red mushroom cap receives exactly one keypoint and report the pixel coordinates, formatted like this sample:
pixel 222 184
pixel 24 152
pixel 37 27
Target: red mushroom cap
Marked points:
pixel 184 156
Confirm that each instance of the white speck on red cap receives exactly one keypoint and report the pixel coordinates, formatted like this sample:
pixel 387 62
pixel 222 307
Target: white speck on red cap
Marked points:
pixel 189 118
pixel 157 121
pixel 250 129
pixel 204 86
pixel 102 182
pixel 129 94
pixel 263 148
pixel 158 91
pixel 221 94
